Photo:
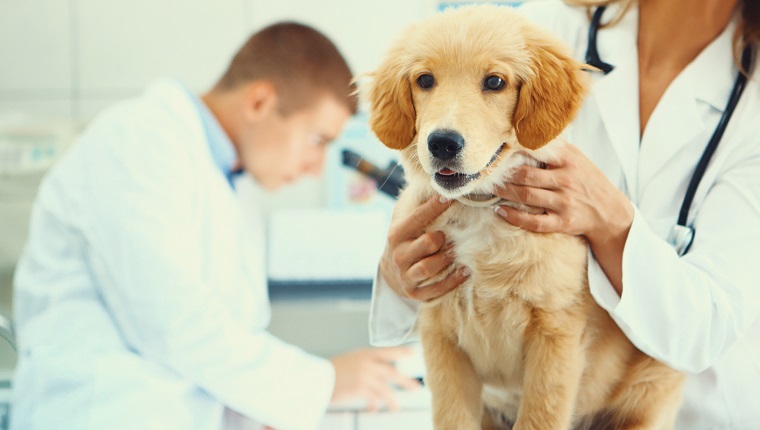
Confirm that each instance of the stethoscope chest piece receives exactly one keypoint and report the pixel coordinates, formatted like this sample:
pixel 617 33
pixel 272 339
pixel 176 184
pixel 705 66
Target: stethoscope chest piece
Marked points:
pixel 681 237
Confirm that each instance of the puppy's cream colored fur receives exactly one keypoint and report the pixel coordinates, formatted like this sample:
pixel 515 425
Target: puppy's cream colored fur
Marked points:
pixel 522 341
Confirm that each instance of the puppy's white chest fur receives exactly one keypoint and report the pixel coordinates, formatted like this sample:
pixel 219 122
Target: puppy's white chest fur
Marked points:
pixel 507 262
pixel 512 272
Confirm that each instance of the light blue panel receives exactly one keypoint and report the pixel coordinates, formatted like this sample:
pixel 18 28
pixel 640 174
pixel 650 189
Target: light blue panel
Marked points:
pixel 446 5
pixel 347 188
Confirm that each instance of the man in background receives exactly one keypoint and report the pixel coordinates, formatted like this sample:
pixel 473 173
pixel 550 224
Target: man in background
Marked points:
pixel 140 298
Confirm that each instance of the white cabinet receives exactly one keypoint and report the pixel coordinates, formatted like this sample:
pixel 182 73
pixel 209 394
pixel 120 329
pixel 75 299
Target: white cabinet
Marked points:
pixel 339 421
pixel 324 327
pixel 401 420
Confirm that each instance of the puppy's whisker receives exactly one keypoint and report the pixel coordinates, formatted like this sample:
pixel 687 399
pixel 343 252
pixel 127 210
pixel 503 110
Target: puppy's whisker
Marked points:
pixel 518 197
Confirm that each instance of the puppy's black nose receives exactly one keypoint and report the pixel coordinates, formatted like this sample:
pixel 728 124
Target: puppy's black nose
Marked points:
pixel 444 144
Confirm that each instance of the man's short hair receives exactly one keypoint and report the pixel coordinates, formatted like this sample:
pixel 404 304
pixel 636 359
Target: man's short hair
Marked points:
pixel 302 64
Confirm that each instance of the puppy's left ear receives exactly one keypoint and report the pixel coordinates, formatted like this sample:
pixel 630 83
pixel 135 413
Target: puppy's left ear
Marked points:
pixel 551 97
pixel 389 93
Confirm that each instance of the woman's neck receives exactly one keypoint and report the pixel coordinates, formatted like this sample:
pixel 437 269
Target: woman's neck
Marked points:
pixel 671 35
pixel 673 32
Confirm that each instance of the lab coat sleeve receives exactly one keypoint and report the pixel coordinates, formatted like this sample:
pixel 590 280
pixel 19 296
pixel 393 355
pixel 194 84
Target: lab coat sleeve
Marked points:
pixel 147 258
pixel 392 319
pixel 687 311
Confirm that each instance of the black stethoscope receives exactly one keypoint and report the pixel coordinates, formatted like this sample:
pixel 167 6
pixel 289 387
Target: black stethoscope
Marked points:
pixel 682 235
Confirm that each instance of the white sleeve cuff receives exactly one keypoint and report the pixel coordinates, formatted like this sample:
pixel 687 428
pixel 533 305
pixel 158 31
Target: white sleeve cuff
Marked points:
pixel 392 319
pixel 637 312
pixel 666 303
pixel 601 287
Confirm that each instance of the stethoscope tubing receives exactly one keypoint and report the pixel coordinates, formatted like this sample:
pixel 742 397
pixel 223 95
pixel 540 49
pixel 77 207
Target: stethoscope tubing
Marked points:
pixel 681 229
pixel 699 171
pixel 592 54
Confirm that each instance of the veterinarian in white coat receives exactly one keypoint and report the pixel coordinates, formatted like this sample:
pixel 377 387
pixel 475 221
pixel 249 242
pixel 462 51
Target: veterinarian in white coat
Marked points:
pixel 141 299
pixel 623 191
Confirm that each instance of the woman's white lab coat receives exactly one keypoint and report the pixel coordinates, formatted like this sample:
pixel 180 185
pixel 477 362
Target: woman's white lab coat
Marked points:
pixel 698 313
pixel 140 299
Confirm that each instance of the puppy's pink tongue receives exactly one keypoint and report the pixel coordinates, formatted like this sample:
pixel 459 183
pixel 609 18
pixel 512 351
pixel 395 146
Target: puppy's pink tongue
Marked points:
pixel 446 171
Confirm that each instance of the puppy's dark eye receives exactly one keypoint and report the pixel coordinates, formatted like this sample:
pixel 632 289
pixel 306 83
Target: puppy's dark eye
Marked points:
pixel 426 81
pixel 493 83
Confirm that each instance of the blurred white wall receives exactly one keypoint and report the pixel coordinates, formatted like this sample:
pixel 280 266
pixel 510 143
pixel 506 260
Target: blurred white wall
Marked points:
pixel 73 57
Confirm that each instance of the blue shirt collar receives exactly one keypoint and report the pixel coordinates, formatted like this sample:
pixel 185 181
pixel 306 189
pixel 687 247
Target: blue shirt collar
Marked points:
pixel 221 147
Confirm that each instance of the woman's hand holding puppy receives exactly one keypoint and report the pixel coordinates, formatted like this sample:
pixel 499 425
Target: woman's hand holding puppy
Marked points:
pixel 412 256
pixel 578 199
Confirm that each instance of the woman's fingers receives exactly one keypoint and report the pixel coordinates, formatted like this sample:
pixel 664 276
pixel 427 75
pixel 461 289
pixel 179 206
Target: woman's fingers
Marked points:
pixel 539 223
pixel 535 177
pixel 413 256
pixel 414 225
pixel 530 196
pixel 437 289
pixel 411 252
pixel 430 266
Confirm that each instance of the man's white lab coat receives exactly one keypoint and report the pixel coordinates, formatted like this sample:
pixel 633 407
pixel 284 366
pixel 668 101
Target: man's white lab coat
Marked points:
pixel 140 299
pixel 698 313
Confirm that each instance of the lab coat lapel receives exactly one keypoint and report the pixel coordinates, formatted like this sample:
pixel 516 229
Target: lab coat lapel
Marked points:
pixel 673 124
pixel 621 119
pixel 678 122
pixel 616 94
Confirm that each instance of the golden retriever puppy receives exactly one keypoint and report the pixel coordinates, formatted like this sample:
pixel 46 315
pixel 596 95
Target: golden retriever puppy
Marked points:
pixel 466 96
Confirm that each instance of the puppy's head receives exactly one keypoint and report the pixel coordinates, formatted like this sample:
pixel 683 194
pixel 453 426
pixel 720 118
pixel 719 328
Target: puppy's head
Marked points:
pixel 463 91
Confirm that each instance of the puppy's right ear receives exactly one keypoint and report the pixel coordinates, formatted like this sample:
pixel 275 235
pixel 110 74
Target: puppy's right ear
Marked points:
pixel 392 112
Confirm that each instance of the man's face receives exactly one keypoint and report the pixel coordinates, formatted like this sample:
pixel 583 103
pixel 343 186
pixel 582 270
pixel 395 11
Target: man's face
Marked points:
pixel 281 148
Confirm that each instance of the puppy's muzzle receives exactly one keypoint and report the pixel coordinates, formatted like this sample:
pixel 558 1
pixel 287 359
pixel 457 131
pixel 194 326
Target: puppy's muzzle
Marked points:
pixel 445 144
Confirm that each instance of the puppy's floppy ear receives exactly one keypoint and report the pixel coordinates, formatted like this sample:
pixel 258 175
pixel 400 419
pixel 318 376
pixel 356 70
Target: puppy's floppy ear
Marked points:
pixel 550 98
pixel 392 112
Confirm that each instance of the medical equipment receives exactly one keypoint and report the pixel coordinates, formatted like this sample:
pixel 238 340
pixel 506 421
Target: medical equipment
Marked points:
pixel 6 331
pixel 682 235
pixel 389 180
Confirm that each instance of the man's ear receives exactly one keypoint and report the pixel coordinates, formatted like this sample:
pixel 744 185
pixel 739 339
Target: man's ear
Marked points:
pixel 259 98
pixel 392 112
pixel 550 98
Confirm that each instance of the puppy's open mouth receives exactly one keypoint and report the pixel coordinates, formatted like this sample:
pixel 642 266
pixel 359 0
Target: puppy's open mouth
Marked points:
pixel 451 179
